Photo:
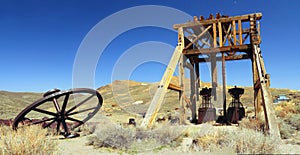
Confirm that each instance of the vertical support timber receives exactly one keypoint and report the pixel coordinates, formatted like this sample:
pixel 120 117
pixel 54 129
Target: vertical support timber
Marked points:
pixel 182 61
pixel 224 88
pixel 181 93
pixel 234 32
pixel 214 78
pixel 240 32
pixel 256 88
pixel 197 70
pixel 193 94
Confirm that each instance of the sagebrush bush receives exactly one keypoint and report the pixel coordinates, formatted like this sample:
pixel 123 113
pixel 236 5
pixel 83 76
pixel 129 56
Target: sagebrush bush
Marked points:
pixel 241 140
pixel 29 140
pixel 285 129
pixel 118 137
pixel 293 120
pixel 288 119
pixel 255 124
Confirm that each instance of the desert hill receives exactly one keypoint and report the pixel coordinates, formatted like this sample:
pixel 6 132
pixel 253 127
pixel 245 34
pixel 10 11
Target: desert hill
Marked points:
pixel 130 98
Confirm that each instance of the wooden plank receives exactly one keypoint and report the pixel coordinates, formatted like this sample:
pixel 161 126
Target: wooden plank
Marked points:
pixel 256 88
pixel 224 88
pixel 182 97
pixel 197 69
pixel 174 87
pixel 268 105
pixel 220 34
pixel 215 34
pixel 240 32
pixel 162 89
pixel 227 58
pixel 234 32
pixel 238 48
pixel 193 95
pixel 214 73
pixel 242 18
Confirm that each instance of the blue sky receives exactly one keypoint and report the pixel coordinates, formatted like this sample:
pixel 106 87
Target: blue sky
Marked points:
pixel 39 40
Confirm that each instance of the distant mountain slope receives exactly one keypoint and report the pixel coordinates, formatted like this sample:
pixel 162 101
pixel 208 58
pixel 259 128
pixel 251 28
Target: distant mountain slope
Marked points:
pixel 11 103
pixel 127 98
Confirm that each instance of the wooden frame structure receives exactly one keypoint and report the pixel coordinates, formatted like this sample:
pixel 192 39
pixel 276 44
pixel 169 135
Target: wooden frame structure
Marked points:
pixel 219 38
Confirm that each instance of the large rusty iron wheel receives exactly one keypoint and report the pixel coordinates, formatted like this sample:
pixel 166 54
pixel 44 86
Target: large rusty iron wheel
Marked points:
pixel 61 110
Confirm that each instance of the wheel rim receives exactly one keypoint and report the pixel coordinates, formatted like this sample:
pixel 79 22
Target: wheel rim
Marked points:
pixel 63 110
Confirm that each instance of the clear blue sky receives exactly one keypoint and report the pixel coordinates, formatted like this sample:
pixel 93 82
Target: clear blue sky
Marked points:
pixel 39 40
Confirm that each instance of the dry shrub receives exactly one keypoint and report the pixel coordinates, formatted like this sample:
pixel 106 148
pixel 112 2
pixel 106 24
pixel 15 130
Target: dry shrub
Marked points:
pixel 288 119
pixel 285 129
pixel 293 120
pixel 249 123
pixel 27 140
pixel 241 140
pixel 284 108
pixel 117 137
pixel 112 137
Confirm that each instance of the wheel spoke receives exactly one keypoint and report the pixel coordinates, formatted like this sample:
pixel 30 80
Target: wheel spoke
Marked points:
pixel 79 104
pixel 43 121
pixel 45 111
pixel 80 111
pixel 58 125
pixel 30 122
pixel 46 126
pixel 65 126
pixel 75 120
pixel 56 105
pixel 65 103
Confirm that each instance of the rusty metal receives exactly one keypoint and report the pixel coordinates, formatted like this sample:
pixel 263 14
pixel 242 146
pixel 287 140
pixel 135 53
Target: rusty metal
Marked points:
pixel 68 114
pixel 235 111
pixel 206 112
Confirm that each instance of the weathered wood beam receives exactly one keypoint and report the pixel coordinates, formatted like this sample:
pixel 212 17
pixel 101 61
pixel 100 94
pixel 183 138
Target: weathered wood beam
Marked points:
pixel 240 32
pixel 234 32
pixel 242 18
pixel 224 88
pixel 220 34
pixel 238 48
pixel 227 58
pixel 174 87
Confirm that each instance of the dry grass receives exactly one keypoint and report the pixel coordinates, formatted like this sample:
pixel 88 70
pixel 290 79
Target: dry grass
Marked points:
pixel 254 124
pixel 30 140
pixel 132 139
pixel 240 140
pixel 289 115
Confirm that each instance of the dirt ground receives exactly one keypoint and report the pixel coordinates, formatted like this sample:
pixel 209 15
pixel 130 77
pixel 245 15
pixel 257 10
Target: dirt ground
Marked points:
pixel 79 145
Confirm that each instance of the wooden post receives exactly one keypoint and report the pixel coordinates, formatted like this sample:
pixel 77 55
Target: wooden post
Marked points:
pixel 193 94
pixel 220 34
pixel 215 34
pixel 182 88
pixel 197 69
pixel 224 88
pixel 182 60
pixel 234 32
pixel 240 32
pixel 214 81
pixel 256 88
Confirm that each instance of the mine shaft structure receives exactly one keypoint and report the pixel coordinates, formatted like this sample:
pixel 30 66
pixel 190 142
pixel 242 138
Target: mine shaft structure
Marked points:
pixel 213 39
